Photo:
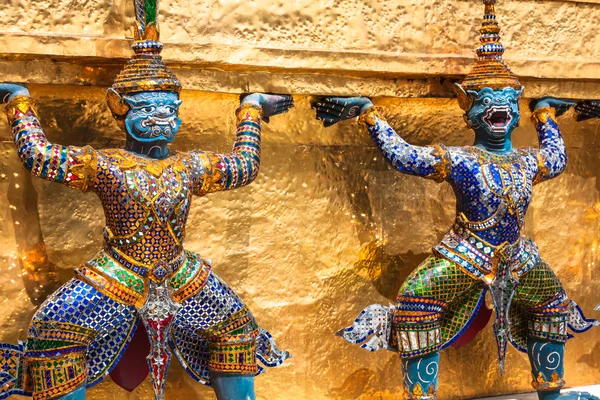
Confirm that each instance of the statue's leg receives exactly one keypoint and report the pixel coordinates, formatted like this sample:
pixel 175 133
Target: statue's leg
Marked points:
pixel 436 290
pixel 77 394
pixel 61 332
pixel 420 375
pixel 547 367
pixel 230 386
pixel 545 311
pixel 232 356
pixel 218 325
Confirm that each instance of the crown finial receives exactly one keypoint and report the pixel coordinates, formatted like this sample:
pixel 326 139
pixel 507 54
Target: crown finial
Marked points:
pixel 146 16
pixel 489 70
pixel 146 71
pixel 490 48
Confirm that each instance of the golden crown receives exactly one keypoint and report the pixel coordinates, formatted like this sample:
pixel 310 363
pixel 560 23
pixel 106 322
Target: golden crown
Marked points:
pixel 146 71
pixel 490 70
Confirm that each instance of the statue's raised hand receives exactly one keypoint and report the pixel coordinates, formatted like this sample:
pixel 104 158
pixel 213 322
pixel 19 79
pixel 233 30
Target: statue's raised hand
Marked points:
pixel 271 104
pixel 560 105
pixel 587 109
pixel 332 110
pixel 10 90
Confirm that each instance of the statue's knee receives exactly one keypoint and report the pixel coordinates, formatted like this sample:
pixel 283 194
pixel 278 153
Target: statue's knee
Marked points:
pixel 56 353
pixel 545 324
pixel 56 372
pixel 417 325
pixel 232 344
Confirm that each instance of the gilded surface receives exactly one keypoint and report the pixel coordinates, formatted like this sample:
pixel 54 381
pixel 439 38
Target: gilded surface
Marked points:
pixel 368 47
pixel 367 228
pixel 327 228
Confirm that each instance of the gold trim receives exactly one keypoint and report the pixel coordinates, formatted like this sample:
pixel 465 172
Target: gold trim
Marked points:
pixel 539 383
pixel 21 103
pixel 254 111
pixel 369 116
pixel 541 115
pixel 444 168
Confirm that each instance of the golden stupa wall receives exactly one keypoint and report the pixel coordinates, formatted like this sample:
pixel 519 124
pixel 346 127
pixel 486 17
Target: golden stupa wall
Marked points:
pixel 328 228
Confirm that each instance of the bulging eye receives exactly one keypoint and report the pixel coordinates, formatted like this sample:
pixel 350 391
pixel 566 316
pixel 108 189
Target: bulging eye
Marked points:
pixel 171 110
pixel 487 101
pixel 148 109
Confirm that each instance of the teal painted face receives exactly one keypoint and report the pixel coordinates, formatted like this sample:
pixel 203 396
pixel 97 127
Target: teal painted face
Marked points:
pixel 494 113
pixel 153 116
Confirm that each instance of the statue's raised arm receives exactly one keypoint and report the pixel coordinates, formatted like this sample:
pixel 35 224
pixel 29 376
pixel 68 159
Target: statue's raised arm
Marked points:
pixel 70 165
pixel 551 158
pixel 213 172
pixel 426 161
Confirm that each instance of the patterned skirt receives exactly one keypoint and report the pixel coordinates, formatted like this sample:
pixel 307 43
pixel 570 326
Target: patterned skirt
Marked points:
pixel 79 334
pixel 440 299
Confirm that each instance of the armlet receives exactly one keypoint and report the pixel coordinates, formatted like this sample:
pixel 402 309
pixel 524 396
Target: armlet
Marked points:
pixel 444 167
pixel 213 177
pixel 82 168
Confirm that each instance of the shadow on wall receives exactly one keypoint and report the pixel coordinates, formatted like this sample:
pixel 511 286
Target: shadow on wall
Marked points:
pixel 39 274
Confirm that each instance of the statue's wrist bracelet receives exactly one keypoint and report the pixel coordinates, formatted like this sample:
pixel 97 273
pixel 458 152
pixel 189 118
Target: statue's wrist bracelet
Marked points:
pixel 22 103
pixel 369 116
pixel 542 114
pixel 248 111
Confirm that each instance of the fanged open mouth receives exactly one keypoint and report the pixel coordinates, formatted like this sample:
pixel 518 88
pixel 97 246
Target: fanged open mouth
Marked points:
pixel 497 119
pixel 159 121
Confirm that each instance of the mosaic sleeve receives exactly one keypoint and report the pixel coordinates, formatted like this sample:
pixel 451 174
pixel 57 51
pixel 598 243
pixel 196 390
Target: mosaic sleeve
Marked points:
pixel 70 165
pixel 218 172
pixel 431 162
pixel 552 155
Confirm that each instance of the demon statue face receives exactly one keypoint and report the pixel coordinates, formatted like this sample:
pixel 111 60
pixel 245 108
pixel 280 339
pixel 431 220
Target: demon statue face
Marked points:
pixel 494 114
pixel 153 116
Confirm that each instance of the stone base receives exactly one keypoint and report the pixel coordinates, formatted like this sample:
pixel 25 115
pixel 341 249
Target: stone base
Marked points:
pixel 595 390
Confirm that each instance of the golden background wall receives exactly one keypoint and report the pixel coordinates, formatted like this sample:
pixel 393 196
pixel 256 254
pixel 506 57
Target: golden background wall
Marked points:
pixel 327 228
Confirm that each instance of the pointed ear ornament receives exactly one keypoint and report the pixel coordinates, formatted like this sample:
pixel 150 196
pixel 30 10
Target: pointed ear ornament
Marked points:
pixel 116 103
pixel 467 121
pixel 464 100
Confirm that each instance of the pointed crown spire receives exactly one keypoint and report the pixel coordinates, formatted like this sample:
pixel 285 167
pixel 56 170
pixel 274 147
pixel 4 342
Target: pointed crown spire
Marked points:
pixel 490 70
pixel 146 71
pixel 146 18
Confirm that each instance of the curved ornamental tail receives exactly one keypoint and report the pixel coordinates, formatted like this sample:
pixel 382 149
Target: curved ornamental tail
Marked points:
pixel 374 321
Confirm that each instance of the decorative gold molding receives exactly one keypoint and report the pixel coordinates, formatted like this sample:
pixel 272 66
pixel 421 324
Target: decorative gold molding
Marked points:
pixel 102 50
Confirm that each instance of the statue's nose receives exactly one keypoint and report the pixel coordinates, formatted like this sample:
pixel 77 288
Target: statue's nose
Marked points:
pixel 162 112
